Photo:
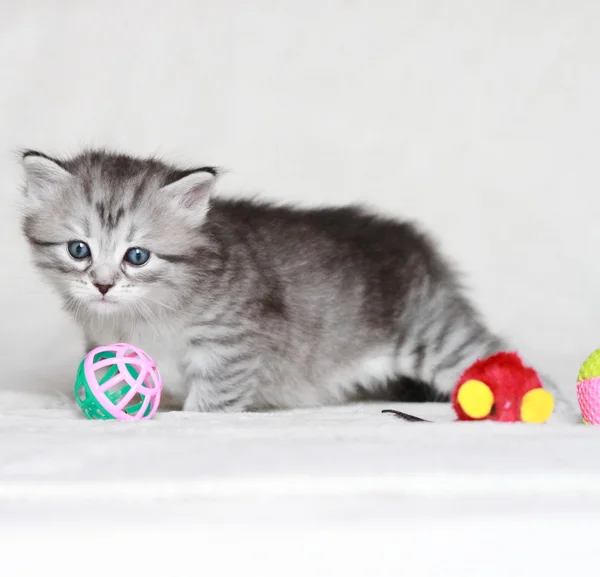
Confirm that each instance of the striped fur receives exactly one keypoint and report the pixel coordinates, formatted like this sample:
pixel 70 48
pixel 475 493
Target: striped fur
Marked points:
pixel 246 305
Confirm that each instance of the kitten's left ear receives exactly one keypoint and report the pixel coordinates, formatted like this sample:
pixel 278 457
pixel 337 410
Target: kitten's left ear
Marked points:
pixel 191 194
pixel 45 176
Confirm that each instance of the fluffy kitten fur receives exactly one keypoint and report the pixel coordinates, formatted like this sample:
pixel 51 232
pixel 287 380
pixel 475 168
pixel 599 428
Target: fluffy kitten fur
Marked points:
pixel 245 305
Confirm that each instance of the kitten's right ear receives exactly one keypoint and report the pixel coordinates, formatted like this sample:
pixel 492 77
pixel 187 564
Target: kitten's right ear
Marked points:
pixel 190 194
pixel 44 175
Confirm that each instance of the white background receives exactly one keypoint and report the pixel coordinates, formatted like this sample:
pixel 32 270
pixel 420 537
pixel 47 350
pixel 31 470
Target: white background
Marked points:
pixel 480 119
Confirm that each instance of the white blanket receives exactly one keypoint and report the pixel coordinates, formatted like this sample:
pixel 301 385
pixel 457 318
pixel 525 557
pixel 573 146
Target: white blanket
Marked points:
pixel 344 490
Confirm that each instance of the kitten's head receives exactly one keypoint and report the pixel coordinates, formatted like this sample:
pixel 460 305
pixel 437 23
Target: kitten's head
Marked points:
pixel 115 234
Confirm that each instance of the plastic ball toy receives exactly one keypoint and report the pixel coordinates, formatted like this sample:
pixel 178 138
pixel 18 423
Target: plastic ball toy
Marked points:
pixel 588 389
pixel 118 381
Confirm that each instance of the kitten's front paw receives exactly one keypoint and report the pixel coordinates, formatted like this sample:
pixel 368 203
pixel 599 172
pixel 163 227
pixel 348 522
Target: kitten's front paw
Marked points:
pixel 198 404
pixel 191 403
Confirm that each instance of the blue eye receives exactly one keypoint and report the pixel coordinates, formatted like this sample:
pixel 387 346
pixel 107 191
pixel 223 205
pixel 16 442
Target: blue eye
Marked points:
pixel 78 249
pixel 137 256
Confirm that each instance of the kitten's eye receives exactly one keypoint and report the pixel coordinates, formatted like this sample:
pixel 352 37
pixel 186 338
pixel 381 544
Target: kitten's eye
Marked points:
pixel 137 256
pixel 78 249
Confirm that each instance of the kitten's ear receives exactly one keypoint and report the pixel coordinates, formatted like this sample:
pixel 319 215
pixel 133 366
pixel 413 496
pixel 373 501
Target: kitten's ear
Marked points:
pixel 191 194
pixel 44 175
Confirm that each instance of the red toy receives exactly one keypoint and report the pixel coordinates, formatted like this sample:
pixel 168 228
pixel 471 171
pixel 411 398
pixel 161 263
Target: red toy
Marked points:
pixel 498 388
pixel 501 388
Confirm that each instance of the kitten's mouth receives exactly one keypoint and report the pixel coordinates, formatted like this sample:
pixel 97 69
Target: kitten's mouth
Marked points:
pixel 107 302
pixel 103 304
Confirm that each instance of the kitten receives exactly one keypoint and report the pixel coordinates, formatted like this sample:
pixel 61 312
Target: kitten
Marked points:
pixel 245 305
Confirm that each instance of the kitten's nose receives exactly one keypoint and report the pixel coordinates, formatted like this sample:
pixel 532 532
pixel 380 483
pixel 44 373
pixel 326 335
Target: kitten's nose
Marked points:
pixel 103 288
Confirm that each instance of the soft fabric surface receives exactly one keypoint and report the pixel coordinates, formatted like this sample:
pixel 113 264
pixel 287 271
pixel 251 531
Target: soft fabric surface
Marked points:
pixel 345 490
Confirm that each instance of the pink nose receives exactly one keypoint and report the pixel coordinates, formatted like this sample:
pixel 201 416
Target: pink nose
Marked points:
pixel 103 288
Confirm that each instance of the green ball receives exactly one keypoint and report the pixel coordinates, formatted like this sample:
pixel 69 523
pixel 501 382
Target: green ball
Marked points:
pixel 591 367
pixel 87 401
pixel 89 405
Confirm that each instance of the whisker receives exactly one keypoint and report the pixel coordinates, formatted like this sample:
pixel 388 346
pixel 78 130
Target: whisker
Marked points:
pixel 160 304
pixel 153 317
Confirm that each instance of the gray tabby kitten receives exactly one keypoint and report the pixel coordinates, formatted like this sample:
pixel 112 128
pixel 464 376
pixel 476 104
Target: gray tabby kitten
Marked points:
pixel 243 305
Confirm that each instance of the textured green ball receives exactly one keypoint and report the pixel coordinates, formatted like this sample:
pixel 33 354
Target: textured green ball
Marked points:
pixel 86 397
pixel 591 367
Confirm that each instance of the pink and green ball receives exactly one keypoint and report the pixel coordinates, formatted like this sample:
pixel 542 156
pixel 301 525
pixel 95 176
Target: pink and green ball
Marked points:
pixel 588 389
pixel 118 381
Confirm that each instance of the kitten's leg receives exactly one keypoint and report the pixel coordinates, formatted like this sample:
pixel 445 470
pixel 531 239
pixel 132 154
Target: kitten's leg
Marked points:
pixel 440 359
pixel 444 338
pixel 230 389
